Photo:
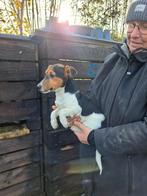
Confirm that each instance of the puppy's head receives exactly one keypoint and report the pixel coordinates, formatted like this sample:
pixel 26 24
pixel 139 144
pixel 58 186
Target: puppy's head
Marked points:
pixel 55 77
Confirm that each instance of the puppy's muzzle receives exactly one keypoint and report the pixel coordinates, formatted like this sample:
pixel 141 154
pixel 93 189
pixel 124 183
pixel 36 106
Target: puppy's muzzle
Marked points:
pixel 39 86
pixel 42 90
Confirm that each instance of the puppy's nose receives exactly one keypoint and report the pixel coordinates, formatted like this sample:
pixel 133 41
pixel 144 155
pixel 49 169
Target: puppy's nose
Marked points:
pixel 39 85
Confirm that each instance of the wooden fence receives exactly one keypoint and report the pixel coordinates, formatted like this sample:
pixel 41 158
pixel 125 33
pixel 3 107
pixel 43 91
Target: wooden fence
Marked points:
pixel 38 162
pixel 20 157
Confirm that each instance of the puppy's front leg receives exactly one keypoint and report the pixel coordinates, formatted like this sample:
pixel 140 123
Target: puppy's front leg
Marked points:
pixel 54 122
pixel 63 114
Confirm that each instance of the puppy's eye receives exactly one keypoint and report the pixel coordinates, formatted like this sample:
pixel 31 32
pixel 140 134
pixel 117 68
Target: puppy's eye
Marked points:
pixel 52 75
pixel 47 77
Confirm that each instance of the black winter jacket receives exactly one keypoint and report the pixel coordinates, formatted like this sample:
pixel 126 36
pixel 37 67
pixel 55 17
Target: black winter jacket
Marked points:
pixel 120 92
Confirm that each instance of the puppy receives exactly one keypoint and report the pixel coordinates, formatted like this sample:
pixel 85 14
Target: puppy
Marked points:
pixel 58 79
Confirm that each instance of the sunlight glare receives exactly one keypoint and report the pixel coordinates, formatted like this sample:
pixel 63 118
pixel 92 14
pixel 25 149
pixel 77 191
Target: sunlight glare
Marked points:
pixel 65 14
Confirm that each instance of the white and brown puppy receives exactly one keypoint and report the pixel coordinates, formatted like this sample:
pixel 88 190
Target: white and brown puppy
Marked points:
pixel 57 78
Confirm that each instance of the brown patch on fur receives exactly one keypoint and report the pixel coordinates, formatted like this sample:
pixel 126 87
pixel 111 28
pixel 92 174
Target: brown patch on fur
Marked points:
pixel 52 84
pixel 50 68
pixel 52 81
pixel 69 71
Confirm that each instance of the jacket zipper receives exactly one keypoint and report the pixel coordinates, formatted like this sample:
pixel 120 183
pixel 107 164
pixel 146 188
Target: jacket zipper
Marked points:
pixel 118 84
pixel 130 174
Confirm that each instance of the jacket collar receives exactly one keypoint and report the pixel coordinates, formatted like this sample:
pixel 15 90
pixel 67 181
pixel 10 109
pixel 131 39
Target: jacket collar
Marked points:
pixel 139 54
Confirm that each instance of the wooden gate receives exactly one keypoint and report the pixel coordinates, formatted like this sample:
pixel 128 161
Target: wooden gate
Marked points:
pixel 61 148
pixel 34 158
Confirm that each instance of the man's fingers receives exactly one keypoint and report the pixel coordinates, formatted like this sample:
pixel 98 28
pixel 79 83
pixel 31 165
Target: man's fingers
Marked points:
pixel 75 129
pixel 71 120
pixel 79 125
pixel 77 118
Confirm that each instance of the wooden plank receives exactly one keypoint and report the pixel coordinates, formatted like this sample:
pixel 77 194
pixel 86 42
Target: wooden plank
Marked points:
pixel 86 70
pixel 20 158
pixel 29 188
pixel 47 103
pixel 61 155
pixel 17 111
pixel 20 143
pixel 82 85
pixel 72 167
pixel 69 160
pixel 39 33
pixel 80 171
pixel 13 49
pixel 18 71
pixel 15 37
pixel 18 175
pixel 10 91
pixel 34 122
pixel 59 138
pixel 69 186
pixel 60 173
pixel 74 50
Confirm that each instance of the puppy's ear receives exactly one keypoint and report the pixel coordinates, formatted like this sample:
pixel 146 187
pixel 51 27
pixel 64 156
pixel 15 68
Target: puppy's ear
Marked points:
pixel 48 70
pixel 70 71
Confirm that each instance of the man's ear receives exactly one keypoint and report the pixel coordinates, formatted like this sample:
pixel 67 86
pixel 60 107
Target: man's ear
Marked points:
pixel 70 71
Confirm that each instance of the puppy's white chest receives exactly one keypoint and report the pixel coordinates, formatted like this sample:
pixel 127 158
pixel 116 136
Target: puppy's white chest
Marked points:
pixel 67 100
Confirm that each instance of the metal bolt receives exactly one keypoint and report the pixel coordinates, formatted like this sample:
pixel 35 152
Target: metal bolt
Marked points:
pixel 20 52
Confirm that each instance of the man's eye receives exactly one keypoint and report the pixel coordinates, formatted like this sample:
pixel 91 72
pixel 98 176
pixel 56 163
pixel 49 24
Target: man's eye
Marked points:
pixel 131 25
pixel 144 26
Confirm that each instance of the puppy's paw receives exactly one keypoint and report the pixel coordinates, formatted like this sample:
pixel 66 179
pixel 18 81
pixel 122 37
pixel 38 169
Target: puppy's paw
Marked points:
pixel 65 123
pixel 54 124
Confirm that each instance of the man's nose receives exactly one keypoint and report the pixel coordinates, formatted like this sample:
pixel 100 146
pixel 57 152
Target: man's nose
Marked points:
pixel 135 32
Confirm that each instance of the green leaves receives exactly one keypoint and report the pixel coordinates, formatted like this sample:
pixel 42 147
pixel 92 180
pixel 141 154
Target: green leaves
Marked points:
pixel 108 14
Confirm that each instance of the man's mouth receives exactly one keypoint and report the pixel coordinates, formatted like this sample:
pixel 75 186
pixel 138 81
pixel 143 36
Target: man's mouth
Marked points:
pixel 133 43
pixel 136 45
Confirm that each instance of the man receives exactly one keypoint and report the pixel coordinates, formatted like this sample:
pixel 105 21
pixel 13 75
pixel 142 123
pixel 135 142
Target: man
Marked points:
pixel 120 92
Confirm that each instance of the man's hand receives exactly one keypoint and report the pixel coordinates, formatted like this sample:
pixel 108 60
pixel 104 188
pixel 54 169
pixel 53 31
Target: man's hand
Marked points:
pixel 80 130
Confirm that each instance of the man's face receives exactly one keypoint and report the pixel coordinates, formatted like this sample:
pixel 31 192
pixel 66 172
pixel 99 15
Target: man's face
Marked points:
pixel 136 35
